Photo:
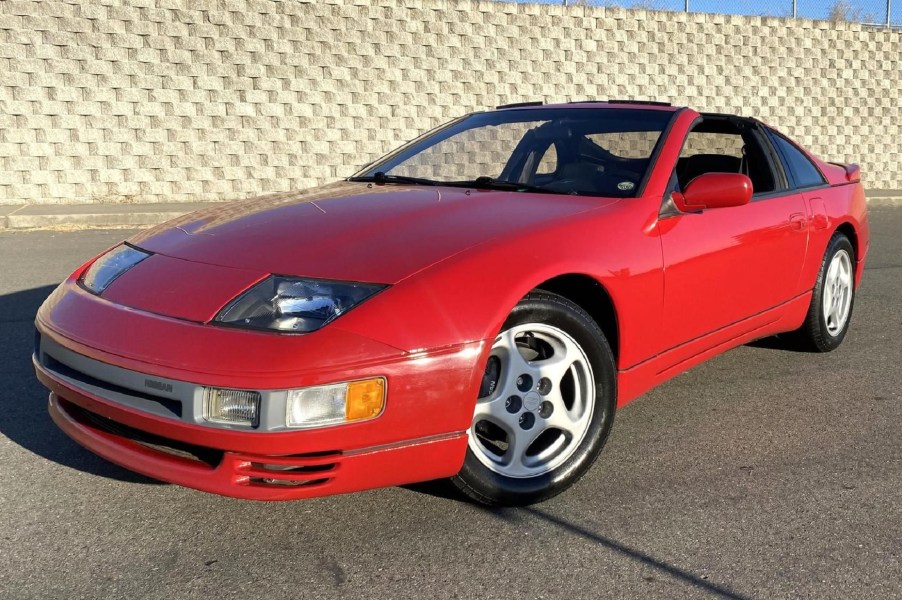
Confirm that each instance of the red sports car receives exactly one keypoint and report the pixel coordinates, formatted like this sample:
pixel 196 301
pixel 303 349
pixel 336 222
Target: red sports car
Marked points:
pixel 475 305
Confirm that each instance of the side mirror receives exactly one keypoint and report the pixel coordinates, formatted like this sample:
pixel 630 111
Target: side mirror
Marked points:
pixel 714 190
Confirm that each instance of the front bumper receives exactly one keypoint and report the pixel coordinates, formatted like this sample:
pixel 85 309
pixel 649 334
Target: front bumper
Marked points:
pixel 260 477
pixel 421 434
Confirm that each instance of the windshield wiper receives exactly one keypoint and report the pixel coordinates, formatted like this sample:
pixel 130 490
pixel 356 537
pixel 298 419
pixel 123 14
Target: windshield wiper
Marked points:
pixel 490 183
pixel 383 177
pixel 482 183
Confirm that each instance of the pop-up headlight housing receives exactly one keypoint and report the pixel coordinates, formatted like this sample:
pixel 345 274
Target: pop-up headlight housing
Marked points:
pixel 293 304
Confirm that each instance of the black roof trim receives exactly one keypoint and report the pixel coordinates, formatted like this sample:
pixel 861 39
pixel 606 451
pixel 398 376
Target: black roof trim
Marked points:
pixel 715 115
pixel 645 102
pixel 641 102
pixel 736 120
pixel 540 103
pixel 520 104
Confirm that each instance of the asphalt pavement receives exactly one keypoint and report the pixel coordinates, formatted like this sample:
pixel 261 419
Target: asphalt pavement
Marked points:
pixel 765 473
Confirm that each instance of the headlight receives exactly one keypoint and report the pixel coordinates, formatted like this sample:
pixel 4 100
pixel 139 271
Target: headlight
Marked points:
pixel 293 304
pixel 111 265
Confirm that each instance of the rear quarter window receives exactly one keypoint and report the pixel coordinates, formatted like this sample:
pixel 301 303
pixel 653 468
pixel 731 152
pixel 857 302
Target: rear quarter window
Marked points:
pixel 801 170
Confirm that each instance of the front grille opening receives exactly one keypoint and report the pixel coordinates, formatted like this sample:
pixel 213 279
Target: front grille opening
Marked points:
pixel 201 454
pixel 172 406
pixel 320 454
pixel 294 469
pixel 287 482
pixel 307 474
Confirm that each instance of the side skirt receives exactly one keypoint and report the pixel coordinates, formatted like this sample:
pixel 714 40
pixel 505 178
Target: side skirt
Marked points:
pixel 640 378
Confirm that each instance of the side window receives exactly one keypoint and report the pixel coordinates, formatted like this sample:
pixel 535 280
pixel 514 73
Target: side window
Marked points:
pixel 706 152
pixel 802 170
pixel 717 146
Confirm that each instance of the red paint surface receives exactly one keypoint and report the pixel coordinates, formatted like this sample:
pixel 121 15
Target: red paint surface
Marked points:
pixel 715 190
pixel 684 287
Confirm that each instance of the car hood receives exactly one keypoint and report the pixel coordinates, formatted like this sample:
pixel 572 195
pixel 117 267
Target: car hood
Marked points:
pixel 354 231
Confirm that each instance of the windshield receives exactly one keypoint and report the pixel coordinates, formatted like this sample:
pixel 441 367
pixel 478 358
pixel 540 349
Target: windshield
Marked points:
pixel 583 151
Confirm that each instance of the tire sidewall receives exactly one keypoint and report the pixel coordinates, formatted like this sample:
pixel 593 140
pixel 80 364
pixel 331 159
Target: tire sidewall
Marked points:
pixel 546 308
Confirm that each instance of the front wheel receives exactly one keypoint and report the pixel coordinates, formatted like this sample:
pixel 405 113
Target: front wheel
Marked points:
pixel 546 405
pixel 833 298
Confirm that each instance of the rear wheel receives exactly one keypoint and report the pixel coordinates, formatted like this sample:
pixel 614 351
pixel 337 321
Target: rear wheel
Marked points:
pixel 546 404
pixel 832 300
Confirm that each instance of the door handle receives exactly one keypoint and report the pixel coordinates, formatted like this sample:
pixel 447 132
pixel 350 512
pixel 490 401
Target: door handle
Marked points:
pixel 797 221
pixel 819 217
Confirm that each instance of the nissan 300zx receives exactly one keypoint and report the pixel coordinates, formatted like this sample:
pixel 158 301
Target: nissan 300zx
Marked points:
pixel 475 305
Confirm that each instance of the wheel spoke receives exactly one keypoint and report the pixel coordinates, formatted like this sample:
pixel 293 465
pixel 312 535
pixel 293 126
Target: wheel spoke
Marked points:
pixel 516 452
pixel 568 420
pixel 846 271
pixel 495 411
pixel 512 362
pixel 831 271
pixel 563 420
pixel 842 307
pixel 564 353
pixel 555 368
pixel 509 339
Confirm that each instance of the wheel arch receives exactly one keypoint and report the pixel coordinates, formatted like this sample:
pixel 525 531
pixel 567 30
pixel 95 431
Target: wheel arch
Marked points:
pixel 590 295
pixel 846 228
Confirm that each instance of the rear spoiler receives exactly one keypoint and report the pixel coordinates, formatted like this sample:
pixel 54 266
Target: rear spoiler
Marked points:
pixel 853 172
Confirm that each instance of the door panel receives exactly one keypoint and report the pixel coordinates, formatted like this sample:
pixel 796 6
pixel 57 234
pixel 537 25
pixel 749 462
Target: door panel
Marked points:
pixel 725 265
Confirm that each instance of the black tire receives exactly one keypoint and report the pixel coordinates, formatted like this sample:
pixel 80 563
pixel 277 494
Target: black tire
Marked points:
pixel 488 487
pixel 815 335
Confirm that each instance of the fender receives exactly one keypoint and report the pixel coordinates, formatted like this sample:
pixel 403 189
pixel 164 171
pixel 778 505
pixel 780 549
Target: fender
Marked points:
pixel 486 282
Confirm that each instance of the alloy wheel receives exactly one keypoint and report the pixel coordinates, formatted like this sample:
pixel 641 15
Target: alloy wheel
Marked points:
pixel 837 295
pixel 538 404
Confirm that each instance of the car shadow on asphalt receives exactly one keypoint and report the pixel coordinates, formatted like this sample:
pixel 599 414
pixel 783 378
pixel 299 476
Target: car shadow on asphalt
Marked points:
pixel 711 588
pixel 25 420
pixel 780 342
pixel 445 490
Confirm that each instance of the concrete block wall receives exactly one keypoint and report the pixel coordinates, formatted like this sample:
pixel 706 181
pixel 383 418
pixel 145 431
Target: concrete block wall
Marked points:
pixel 178 100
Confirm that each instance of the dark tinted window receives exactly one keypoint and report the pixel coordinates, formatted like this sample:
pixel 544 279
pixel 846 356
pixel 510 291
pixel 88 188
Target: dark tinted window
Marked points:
pixel 802 170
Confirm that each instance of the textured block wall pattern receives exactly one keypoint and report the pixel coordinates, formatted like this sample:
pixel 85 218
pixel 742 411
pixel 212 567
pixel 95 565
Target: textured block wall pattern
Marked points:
pixel 176 100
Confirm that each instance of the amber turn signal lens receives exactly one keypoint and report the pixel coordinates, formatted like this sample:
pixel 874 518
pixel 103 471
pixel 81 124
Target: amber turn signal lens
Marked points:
pixel 365 399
